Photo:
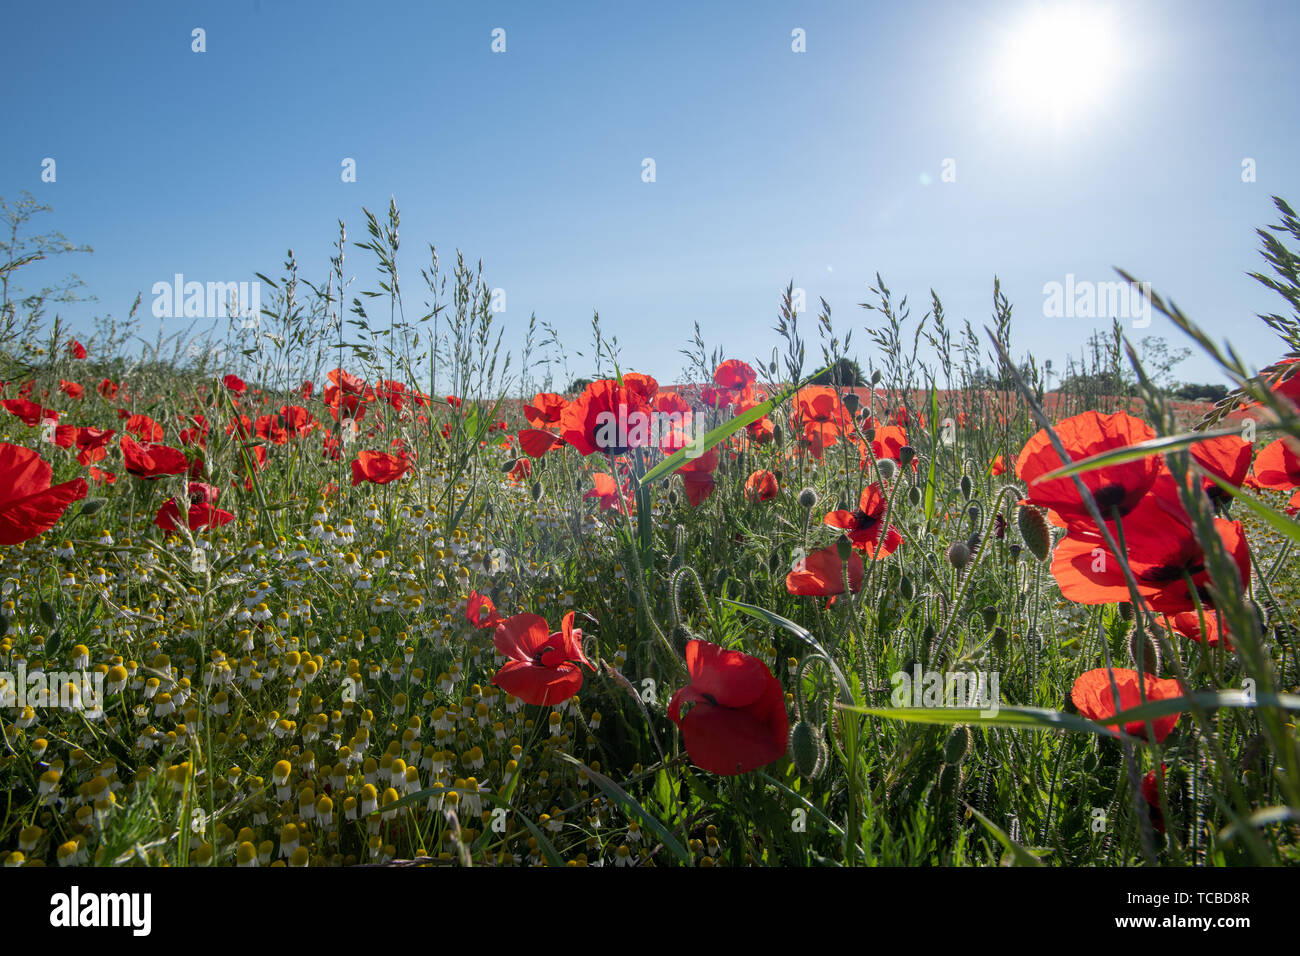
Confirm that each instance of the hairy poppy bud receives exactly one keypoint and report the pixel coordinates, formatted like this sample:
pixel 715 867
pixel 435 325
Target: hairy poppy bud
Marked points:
pixel 905 455
pixel 1014 550
pixel 1142 641
pixel 778 436
pixel 875 377
pixel 1125 611
pixel 886 468
pixel 967 486
pixel 906 588
pixel 509 464
pixel 990 615
pixel 869 434
pixel 958 742
pixel 807 750
pixel 844 547
pixel 914 496
pixel 93 505
pixel 959 555
pixel 1000 639
pixel 851 402
pixel 807 499
pixel 1033 531
pixel 537 490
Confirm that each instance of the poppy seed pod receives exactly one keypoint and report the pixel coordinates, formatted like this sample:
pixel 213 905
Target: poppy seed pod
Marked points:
pixel 844 547
pixel 990 615
pixel 537 490
pixel 1125 611
pixel 886 468
pixel 906 588
pixel 875 377
pixel 851 402
pixel 905 455
pixel 807 499
pixel 959 555
pixel 914 496
pixel 967 486
pixel 1034 531
pixel 1000 639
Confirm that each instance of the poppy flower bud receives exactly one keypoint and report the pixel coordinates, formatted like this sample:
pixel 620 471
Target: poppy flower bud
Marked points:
pixel 681 637
pixel 905 455
pixel 537 490
pixel 973 543
pixel 906 588
pixel 875 377
pixel 914 496
pixel 886 468
pixel 967 486
pixel 957 744
pixel 778 436
pixel 959 555
pixel 1125 611
pixel 844 547
pixel 93 505
pixel 990 615
pixel 1139 639
pixel 1033 531
pixel 1014 550
pixel 509 464
pixel 869 433
pixel 1000 639
pixel 851 402
pixel 807 750
pixel 673 498
pixel 807 499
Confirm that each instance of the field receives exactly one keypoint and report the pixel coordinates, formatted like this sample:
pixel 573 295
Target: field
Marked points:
pixel 346 592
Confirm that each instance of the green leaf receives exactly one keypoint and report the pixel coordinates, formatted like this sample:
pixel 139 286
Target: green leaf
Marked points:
pixel 1206 700
pixel 547 847
pixel 629 805
pixel 1022 856
pixel 1019 718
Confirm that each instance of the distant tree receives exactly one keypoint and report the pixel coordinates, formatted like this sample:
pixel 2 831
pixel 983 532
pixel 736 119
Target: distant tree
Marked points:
pixel 844 372
pixel 578 384
pixel 1199 393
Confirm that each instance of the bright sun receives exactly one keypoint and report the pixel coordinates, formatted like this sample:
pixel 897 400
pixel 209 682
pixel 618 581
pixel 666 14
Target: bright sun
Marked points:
pixel 1059 61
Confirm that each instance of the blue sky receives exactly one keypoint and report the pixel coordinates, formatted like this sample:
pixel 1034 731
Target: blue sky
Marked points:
pixel 822 167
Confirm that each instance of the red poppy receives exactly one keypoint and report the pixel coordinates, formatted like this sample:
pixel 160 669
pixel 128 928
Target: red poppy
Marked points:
pixel 453 401
pixel 763 430
pixel 545 410
pixel 736 721
pixel 863 525
pixel 697 477
pixel 761 486
pixel 822 416
pixel 543 668
pixel 822 573
pixel 735 375
pixel 269 428
pixel 480 611
pixel 92 442
pixel 378 467
pixel 201 513
pixel 144 428
pixel 888 442
pixel 608 418
pixel 29 505
pixel 76 349
pixel 605 491
pixel 535 442
pixel 1115 488
pixel 235 384
pixel 29 413
pixel 1278 466
pixel 108 388
pixel 1093 696
pixel 71 389
pixel 1188 624
pixel 999 467
pixel 1228 458
pixel 152 461
pixel 522 471
pixel 1162 551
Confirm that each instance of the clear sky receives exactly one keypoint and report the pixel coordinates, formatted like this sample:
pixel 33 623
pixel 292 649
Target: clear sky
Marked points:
pixel 1081 137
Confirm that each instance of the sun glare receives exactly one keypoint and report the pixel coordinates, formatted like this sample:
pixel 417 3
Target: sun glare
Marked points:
pixel 1060 61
